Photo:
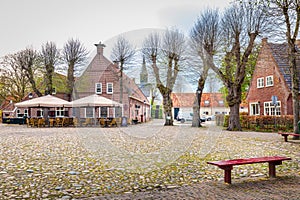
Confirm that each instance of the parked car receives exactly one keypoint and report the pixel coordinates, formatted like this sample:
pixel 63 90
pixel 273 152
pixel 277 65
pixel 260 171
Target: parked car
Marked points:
pixel 210 117
pixel 187 116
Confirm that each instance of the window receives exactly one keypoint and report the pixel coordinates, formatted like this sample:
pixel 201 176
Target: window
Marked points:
pixel 221 102
pixel 109 88
pixel 26 112
pixel 269 108
pixel 206 103
pixel 269 81
pixel 53 90
pixel 98 88
pixel 254 109
pixel 103 112
pixel 19 113
pixel 118 111
pixel 40 113
pixel 60 112
pixel 260 82
pixel 89 112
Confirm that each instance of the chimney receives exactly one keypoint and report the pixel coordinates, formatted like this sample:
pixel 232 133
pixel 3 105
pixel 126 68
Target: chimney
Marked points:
pixel 100 48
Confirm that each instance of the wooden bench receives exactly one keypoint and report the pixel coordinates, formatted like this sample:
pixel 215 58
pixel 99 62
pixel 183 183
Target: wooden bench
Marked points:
pixel 285 135
pixel 227 165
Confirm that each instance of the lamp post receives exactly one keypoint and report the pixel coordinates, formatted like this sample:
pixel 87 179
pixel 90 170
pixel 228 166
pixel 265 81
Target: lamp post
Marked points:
pixel 145 111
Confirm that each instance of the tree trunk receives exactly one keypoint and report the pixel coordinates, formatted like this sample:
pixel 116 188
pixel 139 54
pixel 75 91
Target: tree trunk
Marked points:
pixel 295 85
pixel 234 118
pixel 234 99
pixel 70 80
pixel 196 112
pixel 167 103
pixel 121 83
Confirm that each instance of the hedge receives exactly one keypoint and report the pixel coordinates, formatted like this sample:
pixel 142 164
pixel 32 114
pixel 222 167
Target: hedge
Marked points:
pixel 265 123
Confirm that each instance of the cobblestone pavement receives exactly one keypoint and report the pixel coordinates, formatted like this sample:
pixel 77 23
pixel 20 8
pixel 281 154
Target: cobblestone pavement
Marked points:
pixel 145 161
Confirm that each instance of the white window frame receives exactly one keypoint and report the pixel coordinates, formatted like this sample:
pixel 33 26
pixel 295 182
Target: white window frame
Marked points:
pixel 26 112
pixel 54 90
pixel 18 113
pixel 260 82
pixel 98 86
pixel 269 81
pixel 269 108
pixel 93 112
pixel 59 112
pixel 107 88
pixel 41 113
pixel 254 108
pixel 107 111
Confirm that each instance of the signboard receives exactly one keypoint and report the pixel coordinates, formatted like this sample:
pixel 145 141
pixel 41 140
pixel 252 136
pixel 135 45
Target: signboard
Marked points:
pixel 274 100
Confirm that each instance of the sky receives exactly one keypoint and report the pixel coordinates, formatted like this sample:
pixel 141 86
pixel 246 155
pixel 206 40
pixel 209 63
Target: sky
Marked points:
pixel 31 23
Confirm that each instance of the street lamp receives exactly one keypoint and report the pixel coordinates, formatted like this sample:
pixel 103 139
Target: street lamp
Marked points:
pixel 145 110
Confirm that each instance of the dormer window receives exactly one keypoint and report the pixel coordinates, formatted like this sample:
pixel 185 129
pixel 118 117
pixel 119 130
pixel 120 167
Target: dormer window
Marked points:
pixel 269 81
pixel 109 88
pixel 98 88
pixel 260 82
pixel 53 90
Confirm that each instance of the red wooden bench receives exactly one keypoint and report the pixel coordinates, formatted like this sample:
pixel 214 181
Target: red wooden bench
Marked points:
pixel 285 135
pixel 227 165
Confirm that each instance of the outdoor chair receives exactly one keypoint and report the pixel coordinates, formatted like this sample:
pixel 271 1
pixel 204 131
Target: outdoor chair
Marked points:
pixel 41 122
pixel 51 122
pixel 58 122
pixel 65 121
pixel 113 123
pixel 102 122
pixel 75 122
pixel 32 122
pixel 88 122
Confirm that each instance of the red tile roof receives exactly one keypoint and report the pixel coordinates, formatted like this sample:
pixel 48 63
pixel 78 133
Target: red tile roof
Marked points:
pixel 187 99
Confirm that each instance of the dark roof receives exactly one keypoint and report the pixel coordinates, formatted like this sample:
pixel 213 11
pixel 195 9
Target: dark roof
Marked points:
pixel 280 54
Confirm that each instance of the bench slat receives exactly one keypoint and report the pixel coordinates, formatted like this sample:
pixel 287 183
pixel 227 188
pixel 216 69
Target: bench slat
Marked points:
pixel 248 161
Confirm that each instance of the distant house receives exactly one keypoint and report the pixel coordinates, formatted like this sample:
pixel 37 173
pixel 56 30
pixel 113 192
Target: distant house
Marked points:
pixel 271 77
pixel 59 90
pixel 211 103
pixel 102 77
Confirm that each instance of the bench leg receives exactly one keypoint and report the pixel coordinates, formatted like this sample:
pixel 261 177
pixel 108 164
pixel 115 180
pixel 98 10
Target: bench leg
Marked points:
pixel 272 168
pixel 285 138
pixel 227 174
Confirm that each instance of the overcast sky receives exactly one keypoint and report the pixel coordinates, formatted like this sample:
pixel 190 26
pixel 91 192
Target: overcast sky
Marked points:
pixel 30 23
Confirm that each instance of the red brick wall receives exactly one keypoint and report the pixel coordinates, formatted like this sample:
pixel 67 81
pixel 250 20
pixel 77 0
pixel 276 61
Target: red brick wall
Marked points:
pixel 266 66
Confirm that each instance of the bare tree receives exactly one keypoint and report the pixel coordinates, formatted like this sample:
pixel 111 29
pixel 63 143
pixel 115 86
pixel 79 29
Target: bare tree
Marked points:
pixel 122 53
pixel 13 81
pixel 241 24
pixel 50 56
pixel 205 40
pixel 287 15
pixel 74 55
pixel 28 61
pixel 165 54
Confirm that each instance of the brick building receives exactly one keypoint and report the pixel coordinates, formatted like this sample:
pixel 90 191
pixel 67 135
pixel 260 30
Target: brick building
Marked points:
pixel 271 77
pixel 211 103
pixel 102 77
